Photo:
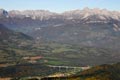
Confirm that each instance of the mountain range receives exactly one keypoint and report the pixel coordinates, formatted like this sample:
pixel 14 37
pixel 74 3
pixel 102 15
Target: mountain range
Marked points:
pixel 87 27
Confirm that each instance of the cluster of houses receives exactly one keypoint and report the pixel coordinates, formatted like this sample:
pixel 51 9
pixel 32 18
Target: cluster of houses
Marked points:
pixel 32 59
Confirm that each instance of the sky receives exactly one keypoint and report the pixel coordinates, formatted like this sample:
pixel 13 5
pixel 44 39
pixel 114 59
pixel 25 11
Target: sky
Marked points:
pixel 59 5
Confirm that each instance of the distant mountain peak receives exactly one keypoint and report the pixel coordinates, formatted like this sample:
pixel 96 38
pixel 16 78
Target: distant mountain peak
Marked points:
pixel 3 13
pixel 86 9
